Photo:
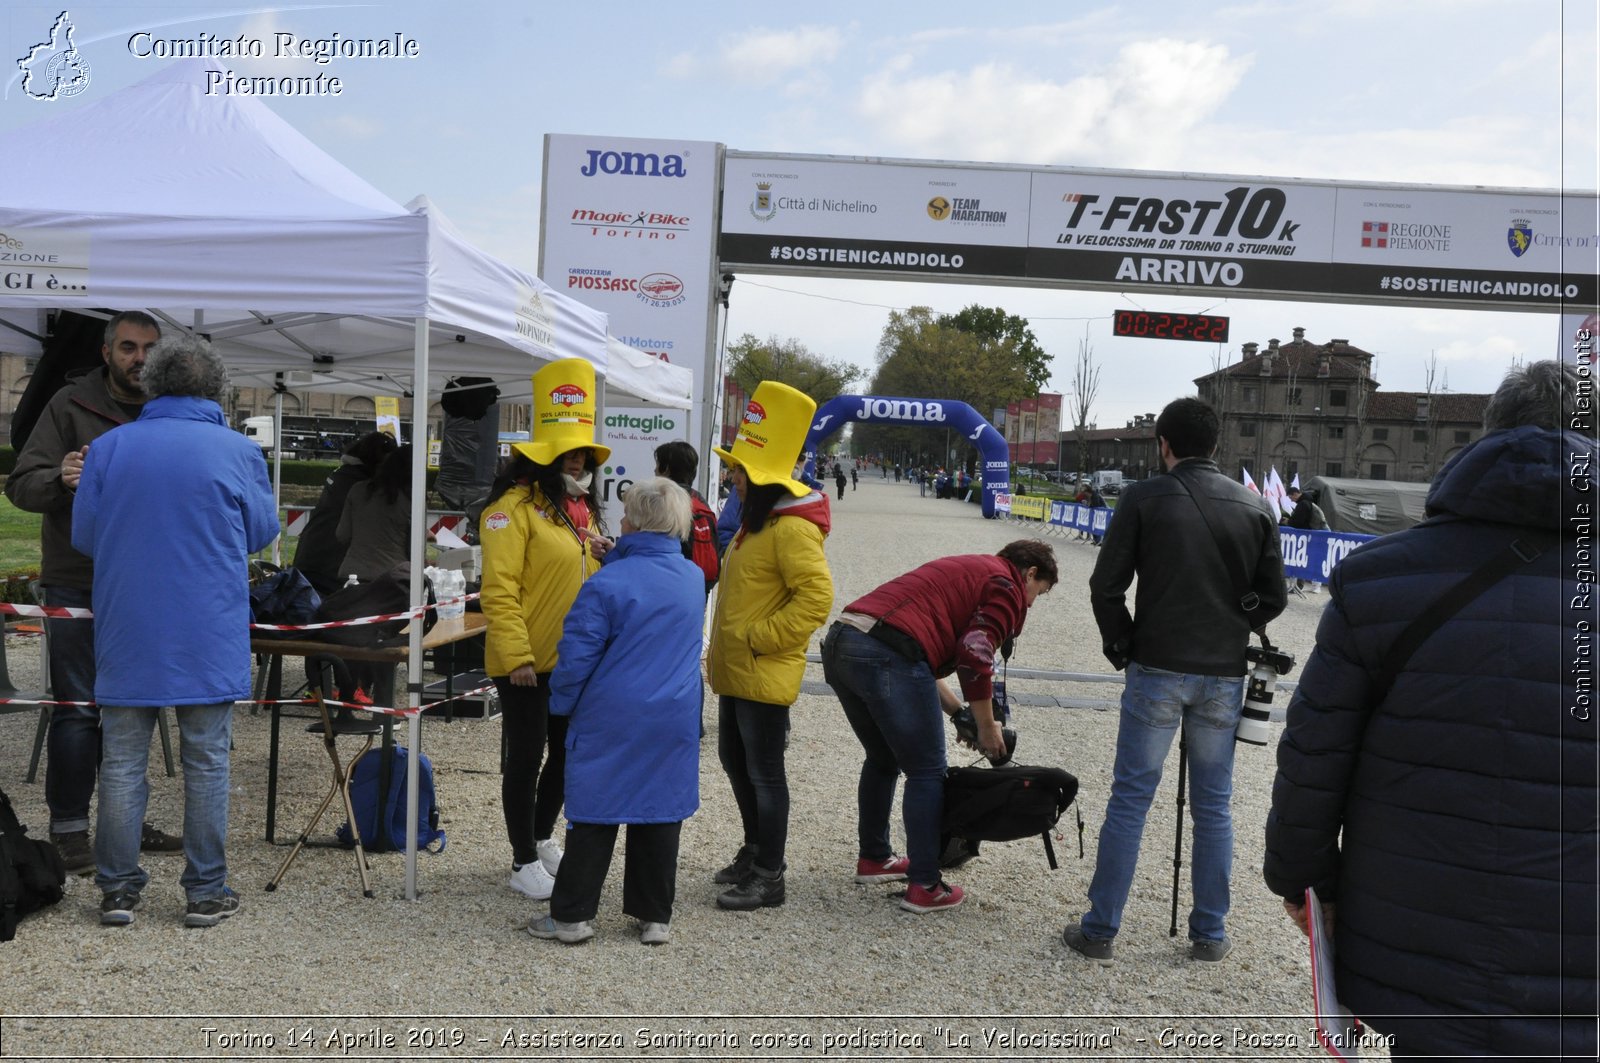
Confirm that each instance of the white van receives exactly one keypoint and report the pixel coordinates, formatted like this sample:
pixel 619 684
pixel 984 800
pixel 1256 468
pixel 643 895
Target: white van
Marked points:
pixel 258 429
pixel 1107 478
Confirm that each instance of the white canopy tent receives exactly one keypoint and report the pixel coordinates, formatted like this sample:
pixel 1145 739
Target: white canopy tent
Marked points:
pixel 218 216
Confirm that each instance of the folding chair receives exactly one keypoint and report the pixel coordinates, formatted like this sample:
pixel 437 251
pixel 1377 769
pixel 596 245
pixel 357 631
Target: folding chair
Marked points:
pixel 340 786
pixel 8 689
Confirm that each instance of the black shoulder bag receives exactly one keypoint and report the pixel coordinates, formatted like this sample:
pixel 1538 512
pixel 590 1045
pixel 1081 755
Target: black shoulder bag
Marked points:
pixel 1249 600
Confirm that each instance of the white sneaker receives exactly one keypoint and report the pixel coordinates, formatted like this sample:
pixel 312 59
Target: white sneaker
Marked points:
pixel 532 880
pixel 654 933
pixel 549 854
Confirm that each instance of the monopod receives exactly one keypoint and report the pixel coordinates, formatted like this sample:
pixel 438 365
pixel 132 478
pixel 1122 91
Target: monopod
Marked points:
pixel 1177 845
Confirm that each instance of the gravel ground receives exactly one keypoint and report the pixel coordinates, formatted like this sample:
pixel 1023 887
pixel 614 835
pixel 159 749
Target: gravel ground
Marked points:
pixel 316 970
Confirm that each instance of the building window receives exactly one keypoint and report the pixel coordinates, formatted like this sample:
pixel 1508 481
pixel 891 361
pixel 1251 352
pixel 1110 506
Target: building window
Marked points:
pixel 1294 431
pixel 1334 469
pixel 1247 428
pixel 1336 397
pixel 1293 469
pixel 1336 431
pixel 1292 396
pixel 1464 436
pixel 1380 435
pixel 1419 435
pixel 1380 472
pixel 1247 394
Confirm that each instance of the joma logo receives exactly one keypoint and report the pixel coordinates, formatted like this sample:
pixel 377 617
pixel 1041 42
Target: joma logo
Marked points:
pixel 633 164
pixel 899 410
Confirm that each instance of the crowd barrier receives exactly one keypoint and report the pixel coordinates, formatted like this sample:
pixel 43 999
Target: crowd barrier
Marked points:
pixel 1307 555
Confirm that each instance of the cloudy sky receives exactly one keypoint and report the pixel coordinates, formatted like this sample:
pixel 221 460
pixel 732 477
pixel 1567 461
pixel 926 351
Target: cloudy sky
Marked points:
pixel 1453 92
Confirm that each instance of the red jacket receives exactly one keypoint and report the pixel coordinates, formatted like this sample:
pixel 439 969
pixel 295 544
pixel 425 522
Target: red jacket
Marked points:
pixel 959 609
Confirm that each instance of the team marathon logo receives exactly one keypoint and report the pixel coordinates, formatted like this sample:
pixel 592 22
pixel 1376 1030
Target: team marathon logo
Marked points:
pixel 963 211
pixel 54 68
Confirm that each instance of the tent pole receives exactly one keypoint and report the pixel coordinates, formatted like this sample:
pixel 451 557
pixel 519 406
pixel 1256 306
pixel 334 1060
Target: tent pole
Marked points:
pixel 419 517
pixel 277 462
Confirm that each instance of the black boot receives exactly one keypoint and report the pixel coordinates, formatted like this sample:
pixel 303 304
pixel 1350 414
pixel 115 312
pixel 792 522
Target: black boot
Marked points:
pixel 743 863
pixel 760 889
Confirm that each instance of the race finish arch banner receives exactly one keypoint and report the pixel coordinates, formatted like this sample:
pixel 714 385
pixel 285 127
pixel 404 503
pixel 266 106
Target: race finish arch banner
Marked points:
pixel 629 227
pixel 917 413
pixel 1420 245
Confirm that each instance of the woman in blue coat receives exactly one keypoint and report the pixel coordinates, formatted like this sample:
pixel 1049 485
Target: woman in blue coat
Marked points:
pixel 628 676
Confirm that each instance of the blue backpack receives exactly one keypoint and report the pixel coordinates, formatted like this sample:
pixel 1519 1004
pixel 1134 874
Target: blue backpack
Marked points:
pixel 381 833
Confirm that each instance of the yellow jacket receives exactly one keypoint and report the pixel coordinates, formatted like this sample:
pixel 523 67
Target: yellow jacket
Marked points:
pixel 774 593
pixel 533 566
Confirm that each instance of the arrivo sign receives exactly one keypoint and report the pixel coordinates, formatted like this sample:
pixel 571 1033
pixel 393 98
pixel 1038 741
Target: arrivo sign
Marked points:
pixel 1153 325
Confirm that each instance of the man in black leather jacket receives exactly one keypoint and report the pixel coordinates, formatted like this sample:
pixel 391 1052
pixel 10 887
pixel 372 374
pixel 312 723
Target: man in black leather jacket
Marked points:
pixel 1184 651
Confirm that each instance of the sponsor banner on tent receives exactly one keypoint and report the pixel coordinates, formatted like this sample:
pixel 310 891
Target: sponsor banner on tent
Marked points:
pixel 1195 234
pixel 628 228
pixel 44 263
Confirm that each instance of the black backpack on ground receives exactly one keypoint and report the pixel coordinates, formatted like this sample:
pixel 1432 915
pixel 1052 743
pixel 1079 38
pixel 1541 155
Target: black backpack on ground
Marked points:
pixel 1002 805
pixel 31 872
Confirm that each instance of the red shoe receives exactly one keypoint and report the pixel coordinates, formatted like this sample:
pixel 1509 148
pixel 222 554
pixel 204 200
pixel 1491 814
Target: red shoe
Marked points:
pixel 361 698
pixel 892 869
pixel 922 899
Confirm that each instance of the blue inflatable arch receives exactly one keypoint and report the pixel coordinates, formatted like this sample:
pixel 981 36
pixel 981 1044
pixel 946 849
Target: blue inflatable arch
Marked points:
pixel 918 413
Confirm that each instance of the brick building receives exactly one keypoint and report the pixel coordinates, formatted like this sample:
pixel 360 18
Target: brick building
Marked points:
pixel 1314 409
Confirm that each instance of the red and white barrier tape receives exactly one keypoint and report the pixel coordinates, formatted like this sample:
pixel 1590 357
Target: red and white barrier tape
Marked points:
pixel 71 613
pixel 386 710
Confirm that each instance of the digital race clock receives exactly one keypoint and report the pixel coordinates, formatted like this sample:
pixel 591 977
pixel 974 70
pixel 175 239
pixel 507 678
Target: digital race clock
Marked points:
pixel 1152 325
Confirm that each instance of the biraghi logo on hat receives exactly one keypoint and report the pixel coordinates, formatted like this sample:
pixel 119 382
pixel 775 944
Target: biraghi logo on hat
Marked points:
pixel 568 395
pixel 754 413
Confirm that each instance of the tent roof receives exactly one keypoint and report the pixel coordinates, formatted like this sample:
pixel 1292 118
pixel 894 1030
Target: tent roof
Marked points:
pixel 216 206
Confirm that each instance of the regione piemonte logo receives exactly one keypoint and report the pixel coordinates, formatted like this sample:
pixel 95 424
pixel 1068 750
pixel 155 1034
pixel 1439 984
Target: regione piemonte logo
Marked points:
pixel 1374 234
pixel 54 68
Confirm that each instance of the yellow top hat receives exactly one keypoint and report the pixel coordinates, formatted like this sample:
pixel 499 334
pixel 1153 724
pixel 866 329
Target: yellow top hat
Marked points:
pixel 772 435
pixel 563 412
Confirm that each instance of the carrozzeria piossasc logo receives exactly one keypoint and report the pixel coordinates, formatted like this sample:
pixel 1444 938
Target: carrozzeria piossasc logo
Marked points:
pixel 632 164
pixel 54 68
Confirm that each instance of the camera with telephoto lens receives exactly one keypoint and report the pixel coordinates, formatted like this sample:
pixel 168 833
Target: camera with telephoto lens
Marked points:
pixel 967 725
pixel 1267 663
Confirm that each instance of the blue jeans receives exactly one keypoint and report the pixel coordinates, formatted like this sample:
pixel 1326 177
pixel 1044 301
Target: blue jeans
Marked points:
pixel 206 733
pixel 1154 703
pixel 893 706
pixel 750 740
pixel 74 738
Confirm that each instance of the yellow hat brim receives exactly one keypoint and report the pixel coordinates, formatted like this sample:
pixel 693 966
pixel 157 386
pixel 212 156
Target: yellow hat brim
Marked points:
pixel 756 476
pixel 544 452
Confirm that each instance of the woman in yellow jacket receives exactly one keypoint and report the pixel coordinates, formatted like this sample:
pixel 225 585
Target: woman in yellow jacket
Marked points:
pixel 775 592
pixel 542 536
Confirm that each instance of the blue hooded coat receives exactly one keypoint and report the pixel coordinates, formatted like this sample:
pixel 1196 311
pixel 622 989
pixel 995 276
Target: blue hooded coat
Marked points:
pixel 1453 820
pixel 628 674
pixel 170 507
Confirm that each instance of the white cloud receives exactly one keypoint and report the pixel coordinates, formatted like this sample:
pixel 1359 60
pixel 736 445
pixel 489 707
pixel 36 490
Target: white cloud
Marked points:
pixel 763 56
pixel 354 126
pixel 682 66
pixel 1129 114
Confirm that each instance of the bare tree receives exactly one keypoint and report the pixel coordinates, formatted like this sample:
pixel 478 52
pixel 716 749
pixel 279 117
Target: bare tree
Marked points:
pixel 1435 384
pixel 1085 386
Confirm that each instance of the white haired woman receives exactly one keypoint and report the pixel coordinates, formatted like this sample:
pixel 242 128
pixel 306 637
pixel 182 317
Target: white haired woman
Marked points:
pixel 628 678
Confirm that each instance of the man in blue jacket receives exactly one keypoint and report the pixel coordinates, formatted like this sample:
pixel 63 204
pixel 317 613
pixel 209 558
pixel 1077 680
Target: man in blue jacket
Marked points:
pixel 170 507
pixel 1443 806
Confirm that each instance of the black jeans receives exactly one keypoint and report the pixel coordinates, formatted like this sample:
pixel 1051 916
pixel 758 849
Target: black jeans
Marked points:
pixel 532 801
pixel 649 871
pixel 750 740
